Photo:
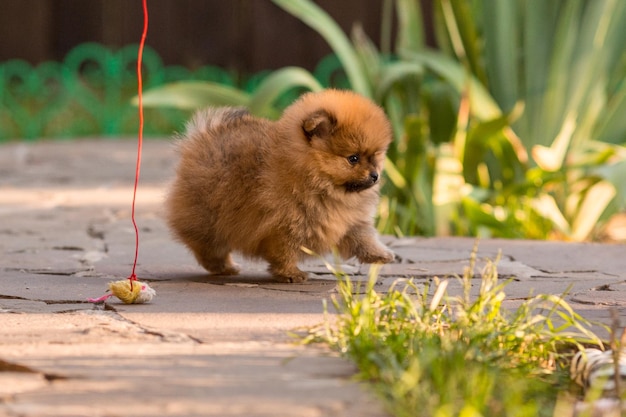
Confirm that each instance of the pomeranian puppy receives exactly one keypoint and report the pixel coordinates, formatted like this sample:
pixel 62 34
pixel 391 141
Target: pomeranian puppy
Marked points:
pixel 269 188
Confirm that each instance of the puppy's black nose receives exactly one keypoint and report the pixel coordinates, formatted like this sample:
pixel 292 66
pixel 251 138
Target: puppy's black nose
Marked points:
pixel 374 176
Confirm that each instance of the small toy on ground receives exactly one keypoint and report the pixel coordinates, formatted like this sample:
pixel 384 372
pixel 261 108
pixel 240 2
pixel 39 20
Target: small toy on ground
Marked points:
pixel 130 292
pixel 593 368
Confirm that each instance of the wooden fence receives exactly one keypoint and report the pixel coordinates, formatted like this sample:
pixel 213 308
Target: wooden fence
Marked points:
pixel 246 35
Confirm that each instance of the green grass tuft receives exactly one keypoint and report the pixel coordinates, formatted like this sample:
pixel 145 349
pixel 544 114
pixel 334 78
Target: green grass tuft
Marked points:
pixel 429 353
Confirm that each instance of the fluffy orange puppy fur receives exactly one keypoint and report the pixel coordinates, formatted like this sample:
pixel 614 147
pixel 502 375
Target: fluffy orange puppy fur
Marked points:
pixel 268 188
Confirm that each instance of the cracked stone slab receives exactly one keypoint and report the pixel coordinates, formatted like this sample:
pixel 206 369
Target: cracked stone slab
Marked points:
pixel 548 256
pixel 68 329
pixel 205 345
pixel 12 383
pixel 611 295
pixel 102 162
pixel 50 288
pixel 96 356
pixel 252 379
pixel 12 305
pixel 210 312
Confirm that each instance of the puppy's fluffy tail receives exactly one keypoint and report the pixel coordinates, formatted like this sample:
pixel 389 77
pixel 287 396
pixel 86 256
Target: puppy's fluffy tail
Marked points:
pixel 214 118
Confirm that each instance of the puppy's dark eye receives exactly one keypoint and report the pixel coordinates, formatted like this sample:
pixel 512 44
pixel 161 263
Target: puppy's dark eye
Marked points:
pixel 354 159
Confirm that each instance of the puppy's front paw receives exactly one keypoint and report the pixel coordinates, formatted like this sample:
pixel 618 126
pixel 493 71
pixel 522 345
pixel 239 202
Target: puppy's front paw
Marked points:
pixel 382 256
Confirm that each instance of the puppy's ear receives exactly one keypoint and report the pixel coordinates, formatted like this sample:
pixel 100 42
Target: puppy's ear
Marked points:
pixel 320 124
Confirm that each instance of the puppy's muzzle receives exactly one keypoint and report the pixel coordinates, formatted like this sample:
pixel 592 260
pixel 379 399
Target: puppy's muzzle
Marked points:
pixel 357 186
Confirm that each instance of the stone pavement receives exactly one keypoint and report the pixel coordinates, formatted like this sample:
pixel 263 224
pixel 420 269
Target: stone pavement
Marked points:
pixel 205 346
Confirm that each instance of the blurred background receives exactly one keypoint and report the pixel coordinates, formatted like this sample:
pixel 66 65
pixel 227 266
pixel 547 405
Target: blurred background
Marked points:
pixel 67 67
pixel 241 35
pixel 508 115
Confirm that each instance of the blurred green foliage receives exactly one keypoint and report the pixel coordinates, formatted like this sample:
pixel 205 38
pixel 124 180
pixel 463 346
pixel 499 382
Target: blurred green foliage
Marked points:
pixel 513 128
pixel 555 165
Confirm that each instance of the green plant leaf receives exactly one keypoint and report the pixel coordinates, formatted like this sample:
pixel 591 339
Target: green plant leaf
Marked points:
pixel 552 158
pixel 615 173
pixel 442 116
pixel 596 200
pixel 371 60
pixel 394 174
pixel 410 26
pixel 480 138
pixel 546 206
pixel 611 123
pixel 278 83
pixel 538 31
pixel 482 105
pixel 393 73
pixel 312 15
pixel 192 95
pixel 461 22
pixel 501 52
pixel 480 215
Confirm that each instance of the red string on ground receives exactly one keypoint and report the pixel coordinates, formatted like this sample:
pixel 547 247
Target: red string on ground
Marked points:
pixel 133 276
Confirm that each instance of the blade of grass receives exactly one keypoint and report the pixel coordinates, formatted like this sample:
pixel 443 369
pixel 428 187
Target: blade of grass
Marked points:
pixel 437 358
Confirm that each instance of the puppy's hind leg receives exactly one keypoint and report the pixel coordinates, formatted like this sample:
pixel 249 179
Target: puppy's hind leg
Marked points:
pixel 362 241
pixel 216 260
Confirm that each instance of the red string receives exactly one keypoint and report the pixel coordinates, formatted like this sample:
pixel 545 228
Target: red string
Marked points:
pixel 133 276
